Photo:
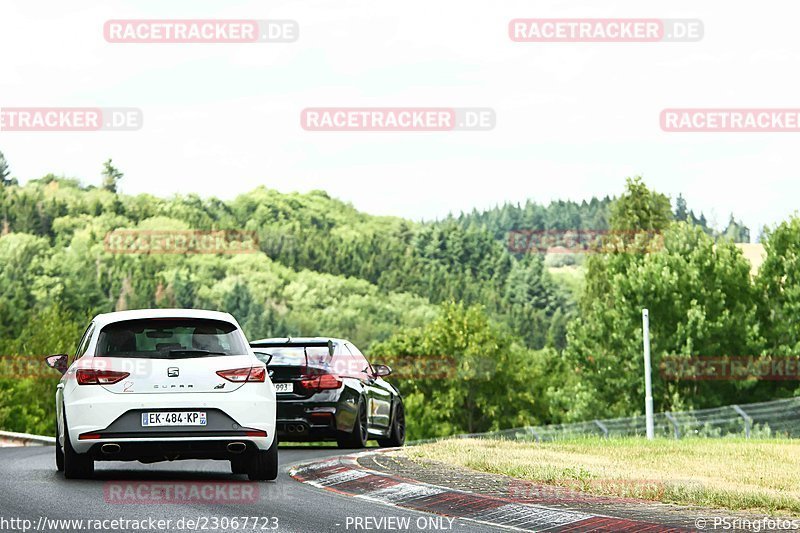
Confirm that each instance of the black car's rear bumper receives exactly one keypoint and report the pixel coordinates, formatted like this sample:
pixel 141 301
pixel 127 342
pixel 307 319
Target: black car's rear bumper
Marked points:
pixel 303 430
pixel 310 420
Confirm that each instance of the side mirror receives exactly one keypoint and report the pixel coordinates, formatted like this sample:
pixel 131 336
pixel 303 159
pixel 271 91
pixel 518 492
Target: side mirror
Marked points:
pixel 59 362
pixel 381 370
pixel 264 357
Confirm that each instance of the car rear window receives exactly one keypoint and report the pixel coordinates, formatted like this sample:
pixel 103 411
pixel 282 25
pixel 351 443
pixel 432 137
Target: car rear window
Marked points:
pixel 296 355
pixel 167 338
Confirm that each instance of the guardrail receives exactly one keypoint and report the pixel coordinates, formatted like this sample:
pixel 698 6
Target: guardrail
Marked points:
pixel 778 418
pixel 8 438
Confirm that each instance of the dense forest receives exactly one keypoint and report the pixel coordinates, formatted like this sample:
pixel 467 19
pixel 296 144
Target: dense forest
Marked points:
pixel 589 215
pixel 526 343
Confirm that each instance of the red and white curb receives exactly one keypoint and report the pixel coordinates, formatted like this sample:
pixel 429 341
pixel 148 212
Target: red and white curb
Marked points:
pixel 344 475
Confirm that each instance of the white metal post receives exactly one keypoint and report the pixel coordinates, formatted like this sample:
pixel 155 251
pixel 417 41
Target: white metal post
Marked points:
pixel 648 383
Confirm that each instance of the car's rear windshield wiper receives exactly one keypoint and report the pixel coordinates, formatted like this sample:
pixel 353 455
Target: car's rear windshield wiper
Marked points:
pixel 192 353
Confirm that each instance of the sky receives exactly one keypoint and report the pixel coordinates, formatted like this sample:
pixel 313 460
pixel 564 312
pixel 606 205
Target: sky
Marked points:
pixel 572 119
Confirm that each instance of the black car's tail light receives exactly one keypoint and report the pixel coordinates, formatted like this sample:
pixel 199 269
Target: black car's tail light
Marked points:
pixel 322 382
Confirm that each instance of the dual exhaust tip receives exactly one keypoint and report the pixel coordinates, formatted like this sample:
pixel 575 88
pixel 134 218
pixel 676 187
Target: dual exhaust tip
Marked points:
pixel 295 428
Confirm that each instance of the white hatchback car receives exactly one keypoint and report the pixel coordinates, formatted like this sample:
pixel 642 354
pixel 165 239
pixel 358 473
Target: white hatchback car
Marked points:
pixel 161 385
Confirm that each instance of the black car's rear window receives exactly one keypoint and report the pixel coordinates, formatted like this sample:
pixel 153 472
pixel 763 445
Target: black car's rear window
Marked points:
pixel 297 355
pixel 166 338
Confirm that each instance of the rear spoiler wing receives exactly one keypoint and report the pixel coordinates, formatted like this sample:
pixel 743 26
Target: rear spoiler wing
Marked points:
pixel 290 342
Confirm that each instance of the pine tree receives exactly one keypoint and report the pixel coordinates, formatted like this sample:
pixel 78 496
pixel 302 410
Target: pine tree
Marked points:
pixel 4 170
pixel 111 176
pixel 681 212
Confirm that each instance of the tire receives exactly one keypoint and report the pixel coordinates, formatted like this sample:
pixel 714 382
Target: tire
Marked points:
pixel 76 465
pixel 59 455
pixel 239 466
pixel 357 438
pixel 397 433
pixel 263 464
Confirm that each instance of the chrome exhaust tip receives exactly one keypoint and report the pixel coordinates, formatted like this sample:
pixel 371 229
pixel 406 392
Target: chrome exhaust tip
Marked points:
pixel 111 448
pixel 290 428
pixel 236 447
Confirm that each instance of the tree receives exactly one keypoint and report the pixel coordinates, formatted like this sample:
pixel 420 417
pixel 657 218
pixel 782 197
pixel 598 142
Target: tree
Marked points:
pixel 736 231
pixel 24 259
pixel 640 209
pixel 778 283
pixel 111 176
pixel 701 302
pixel 331 270
pixel 4 170
pixel 531 299
pixel 681 211
pixel 462 374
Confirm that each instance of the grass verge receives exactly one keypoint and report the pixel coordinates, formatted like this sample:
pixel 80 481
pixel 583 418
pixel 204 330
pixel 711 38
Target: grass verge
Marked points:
pixel 736 474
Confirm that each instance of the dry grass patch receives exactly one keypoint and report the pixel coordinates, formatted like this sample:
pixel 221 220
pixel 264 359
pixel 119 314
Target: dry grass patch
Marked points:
pixel 736 474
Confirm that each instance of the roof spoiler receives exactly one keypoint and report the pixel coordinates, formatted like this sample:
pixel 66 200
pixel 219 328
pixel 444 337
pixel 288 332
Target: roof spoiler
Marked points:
pixel 290 342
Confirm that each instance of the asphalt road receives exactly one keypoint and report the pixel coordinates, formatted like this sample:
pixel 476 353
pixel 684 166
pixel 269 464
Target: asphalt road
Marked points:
pixel 31 488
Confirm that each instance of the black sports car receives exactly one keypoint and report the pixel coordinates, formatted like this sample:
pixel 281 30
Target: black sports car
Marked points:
pixel 327 390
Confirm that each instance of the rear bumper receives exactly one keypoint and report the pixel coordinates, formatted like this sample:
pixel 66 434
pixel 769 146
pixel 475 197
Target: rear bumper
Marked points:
pixel 149 451
pixel 308 420
pixel 115 418
pixel 302 430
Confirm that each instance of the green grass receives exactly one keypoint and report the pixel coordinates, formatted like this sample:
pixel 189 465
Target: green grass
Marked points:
pixel 736 474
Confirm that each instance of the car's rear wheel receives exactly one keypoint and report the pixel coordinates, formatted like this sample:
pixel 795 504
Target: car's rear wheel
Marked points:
pixel 239 465
pixel 397 433
pixel 76 465
pixel 59 453
pixel 263 464
pixel 357 438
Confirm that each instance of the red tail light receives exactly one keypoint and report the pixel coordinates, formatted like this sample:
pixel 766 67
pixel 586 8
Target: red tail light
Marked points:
pixel 88 436
pixel 258 373
pixel 322 382
pixel 91 376
pixel 239 375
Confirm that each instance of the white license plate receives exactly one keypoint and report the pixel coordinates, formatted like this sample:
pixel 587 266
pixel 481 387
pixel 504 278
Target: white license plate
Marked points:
pixel 283 387
pixel 174 418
